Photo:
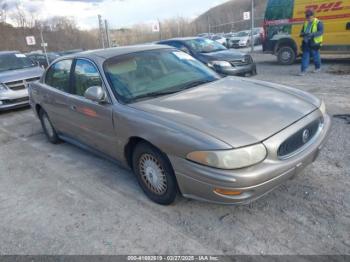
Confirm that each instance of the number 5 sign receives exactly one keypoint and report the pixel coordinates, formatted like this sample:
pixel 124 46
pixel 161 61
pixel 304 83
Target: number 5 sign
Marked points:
pixel 30 40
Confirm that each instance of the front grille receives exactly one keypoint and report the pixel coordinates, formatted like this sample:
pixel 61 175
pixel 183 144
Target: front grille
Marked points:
pixel 14 101
pixel 32 79
pixel 299 139
pixel 234 42
pixel 21 84
pixel 246 60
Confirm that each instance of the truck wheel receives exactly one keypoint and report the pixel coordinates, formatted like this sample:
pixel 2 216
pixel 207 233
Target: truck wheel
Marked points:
pixel 286 55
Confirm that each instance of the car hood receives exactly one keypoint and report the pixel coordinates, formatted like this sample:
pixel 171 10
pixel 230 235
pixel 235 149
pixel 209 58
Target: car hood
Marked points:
pixel 225 55
pixel 236 111
pixel 20 74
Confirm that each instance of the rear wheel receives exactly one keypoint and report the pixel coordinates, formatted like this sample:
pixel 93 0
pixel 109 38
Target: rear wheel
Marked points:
pixel 154 174
pixel 48 128
pixel 286 55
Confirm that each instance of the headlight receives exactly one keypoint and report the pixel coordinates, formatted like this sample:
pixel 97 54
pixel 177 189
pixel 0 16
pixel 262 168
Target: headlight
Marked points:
pixel 219 63
pixel 323 108
pixel 230 159
pixel 2 87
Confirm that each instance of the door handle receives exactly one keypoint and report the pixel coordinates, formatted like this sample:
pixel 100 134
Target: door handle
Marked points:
pixel 73 107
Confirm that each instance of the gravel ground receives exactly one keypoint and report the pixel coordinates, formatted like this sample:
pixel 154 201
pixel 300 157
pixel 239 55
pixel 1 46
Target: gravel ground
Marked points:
pixel 63 200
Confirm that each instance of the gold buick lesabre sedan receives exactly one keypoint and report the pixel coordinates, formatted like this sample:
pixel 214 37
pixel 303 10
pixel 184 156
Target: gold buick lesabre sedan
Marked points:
pixel 178 125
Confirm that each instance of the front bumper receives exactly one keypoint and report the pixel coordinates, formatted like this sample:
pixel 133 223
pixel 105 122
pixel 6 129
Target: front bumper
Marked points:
pixel 199 182
pixel 14 99
pixel 238 70
pixel 238 45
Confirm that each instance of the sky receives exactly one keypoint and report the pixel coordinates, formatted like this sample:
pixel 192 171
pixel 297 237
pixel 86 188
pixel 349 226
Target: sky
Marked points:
pixel 119 13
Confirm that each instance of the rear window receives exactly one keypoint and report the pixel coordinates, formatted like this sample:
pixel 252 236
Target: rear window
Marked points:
pixel 58 76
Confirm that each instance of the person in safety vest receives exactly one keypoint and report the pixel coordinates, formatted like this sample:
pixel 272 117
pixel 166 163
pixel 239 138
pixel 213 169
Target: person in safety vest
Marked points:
pixel 312 34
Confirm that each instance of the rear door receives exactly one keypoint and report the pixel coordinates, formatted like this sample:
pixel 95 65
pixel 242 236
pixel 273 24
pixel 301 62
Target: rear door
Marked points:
pixel 54 94
pixel 92 122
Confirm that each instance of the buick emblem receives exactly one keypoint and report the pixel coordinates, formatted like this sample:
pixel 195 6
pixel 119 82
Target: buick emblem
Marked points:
pixel 306 135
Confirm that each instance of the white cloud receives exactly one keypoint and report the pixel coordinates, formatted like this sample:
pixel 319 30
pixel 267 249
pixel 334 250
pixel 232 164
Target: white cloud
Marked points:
pixel 119 13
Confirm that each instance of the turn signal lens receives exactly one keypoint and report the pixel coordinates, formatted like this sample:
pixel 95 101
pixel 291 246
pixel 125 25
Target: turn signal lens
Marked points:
pixel 323 108
pixel 227 192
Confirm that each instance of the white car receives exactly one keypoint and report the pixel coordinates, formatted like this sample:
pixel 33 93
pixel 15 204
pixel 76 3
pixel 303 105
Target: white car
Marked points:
pixel 243 38
pixel 220 39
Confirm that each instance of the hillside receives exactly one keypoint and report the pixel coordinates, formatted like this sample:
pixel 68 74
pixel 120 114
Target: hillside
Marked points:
pixel 59 38
pixel 231 11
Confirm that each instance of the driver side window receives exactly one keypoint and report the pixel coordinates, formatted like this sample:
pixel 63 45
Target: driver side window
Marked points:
pixel 85 75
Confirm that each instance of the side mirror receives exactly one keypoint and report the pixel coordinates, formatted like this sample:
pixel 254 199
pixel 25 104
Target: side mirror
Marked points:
pixel 96 94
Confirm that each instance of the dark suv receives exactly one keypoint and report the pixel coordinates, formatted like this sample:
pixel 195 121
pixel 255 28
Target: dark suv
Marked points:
pixel 215 55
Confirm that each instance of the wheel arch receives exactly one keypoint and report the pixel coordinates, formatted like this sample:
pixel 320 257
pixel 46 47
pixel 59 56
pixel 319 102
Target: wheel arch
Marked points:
pixel 286 42
pixel 130 147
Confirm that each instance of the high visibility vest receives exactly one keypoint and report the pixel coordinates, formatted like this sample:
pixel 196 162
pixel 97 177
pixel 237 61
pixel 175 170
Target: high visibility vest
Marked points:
pixel 318 39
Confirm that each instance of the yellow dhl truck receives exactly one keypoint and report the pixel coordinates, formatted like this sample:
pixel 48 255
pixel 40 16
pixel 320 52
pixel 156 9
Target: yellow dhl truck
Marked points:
pixel 285 18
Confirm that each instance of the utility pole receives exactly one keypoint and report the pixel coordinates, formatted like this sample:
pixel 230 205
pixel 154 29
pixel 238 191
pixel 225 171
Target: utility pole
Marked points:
pixel 102 33
pixel 252 28
pixel 43 44
pixel 160 30
pixel 107 34
pixel 208 21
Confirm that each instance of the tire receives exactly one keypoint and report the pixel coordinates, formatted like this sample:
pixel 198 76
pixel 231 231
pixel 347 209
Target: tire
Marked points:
pixel 154 174
pixel 48 128
pixel 286 55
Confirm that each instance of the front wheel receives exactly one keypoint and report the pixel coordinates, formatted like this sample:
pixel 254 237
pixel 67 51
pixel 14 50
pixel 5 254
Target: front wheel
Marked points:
pixel 154 174
pixel 286 55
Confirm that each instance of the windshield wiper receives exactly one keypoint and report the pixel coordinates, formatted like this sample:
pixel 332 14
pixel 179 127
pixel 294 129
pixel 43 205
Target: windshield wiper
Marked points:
pixel 15 68
pixel 154 94
pixel 172 91
pixel 197 83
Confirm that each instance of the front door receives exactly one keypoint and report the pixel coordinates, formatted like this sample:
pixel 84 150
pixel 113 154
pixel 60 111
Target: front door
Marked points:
pixel 92 122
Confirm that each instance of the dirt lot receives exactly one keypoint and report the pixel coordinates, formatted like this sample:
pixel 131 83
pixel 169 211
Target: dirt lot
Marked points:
pixel 63 200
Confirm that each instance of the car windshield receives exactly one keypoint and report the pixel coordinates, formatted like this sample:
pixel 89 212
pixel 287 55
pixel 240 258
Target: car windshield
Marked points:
pixel 15 61
pixel 216 37
pixel 150 74
pixel 244 33
pixel 203 45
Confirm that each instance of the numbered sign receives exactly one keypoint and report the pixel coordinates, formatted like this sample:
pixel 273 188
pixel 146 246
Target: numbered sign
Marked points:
pixel 155 27
pixel 246 16
pixel 30 40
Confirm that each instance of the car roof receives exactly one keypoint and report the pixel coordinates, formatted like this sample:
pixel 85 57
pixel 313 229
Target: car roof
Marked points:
pixel 182 39
pixel 116 51
pixel 8 52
